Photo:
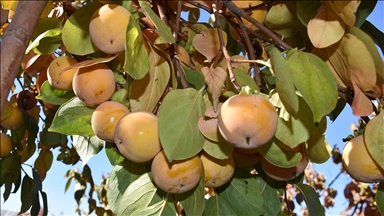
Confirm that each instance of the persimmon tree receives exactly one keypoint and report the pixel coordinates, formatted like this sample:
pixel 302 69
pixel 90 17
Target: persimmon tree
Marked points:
pixel 239 104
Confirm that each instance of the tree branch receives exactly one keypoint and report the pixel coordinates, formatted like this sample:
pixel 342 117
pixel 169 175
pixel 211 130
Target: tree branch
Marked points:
pixel 15 41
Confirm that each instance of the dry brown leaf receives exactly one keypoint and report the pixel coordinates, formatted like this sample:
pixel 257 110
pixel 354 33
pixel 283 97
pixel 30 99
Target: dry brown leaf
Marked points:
pixel 215 78
pixel 326 28
pixel 208 43
pixel 361 105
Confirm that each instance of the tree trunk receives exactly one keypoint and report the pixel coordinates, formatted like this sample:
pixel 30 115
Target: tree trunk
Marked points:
pixel 15 41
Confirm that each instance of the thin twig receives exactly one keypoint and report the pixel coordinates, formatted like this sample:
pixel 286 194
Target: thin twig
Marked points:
pixel 235 10
pixel 225 52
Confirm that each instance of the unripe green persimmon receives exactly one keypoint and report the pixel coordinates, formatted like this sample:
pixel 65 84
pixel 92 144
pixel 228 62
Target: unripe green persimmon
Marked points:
pixel 58 77
pixel 247 121
pixel 177 176
pixel 105 118
pixel 137 136
pixel 94 84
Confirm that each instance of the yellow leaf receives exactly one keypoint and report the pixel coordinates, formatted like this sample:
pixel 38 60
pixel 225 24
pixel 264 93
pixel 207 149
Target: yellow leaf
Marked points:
pixel 215 78
pixel 344 9
pixel 326 28
pixel 351 58
pixel 208 43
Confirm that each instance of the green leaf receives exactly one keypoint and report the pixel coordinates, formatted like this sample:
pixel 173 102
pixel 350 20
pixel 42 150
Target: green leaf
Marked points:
pixel 178 123
pixel 76 36
pixel 244 79
pixel 146 93
pixel 220 150
pixel 311 199
pixel 284 81
pixel 122 175
pixel 87 147
pixel 73 118
pixel 318 150
pixel 363 11
pixel 113 154
pixel 380 197
pixel 35 204
pixel 25 195
pixel 8 186
pixel 269 189
pixel 297 130
pixel 242 194
pixel 194 78
pixel 137 196
pixel 275 153
pixel 51 138
pixel 217 206
pixel 307 10
pixel 51 33
pixel 165 34
pixel 45 203
pixel 374 138
pixel 315 81
pixel 193 201
pixel 136 58
pixel 53 96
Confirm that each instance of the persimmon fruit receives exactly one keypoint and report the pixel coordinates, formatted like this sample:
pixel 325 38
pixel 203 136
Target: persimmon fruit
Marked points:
pixel 217 172
pixel 59 75
pixel 26 99
pixel 178 176
pixel 94 84
pixel 105 118
pixel 108 28
pixel 137 136
pixel 247 121
pixel 358 162
pixel 5 145
pixel 14 121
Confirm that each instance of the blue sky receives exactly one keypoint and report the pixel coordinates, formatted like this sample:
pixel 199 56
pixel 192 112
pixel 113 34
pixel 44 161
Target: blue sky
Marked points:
pixel 61 203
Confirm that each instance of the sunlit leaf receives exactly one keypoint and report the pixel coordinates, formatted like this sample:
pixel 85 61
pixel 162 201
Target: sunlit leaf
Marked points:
pixel 326 28
pixel 371 46
pixel 284 82
pixel 242 194
pixel 87 147
pixel 361 105
pixel 178 123
pixel 73 118
pixel 374 138
pixel 51 33
pixel 53 96
pixel 215 78
pixel 282 19
pixel 165 35
pixel 359 65
pixel 193 201
pixel 122 175
pixel 76 36
pixel 275 153
pixel 207 42
pixel 137 196
pixel 217 206
pixel 344 9
pixel 146 92
pixel 136 62
pixel 314 80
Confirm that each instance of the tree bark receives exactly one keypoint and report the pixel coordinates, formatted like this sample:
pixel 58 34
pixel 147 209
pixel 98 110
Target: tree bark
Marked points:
pixel 15 41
